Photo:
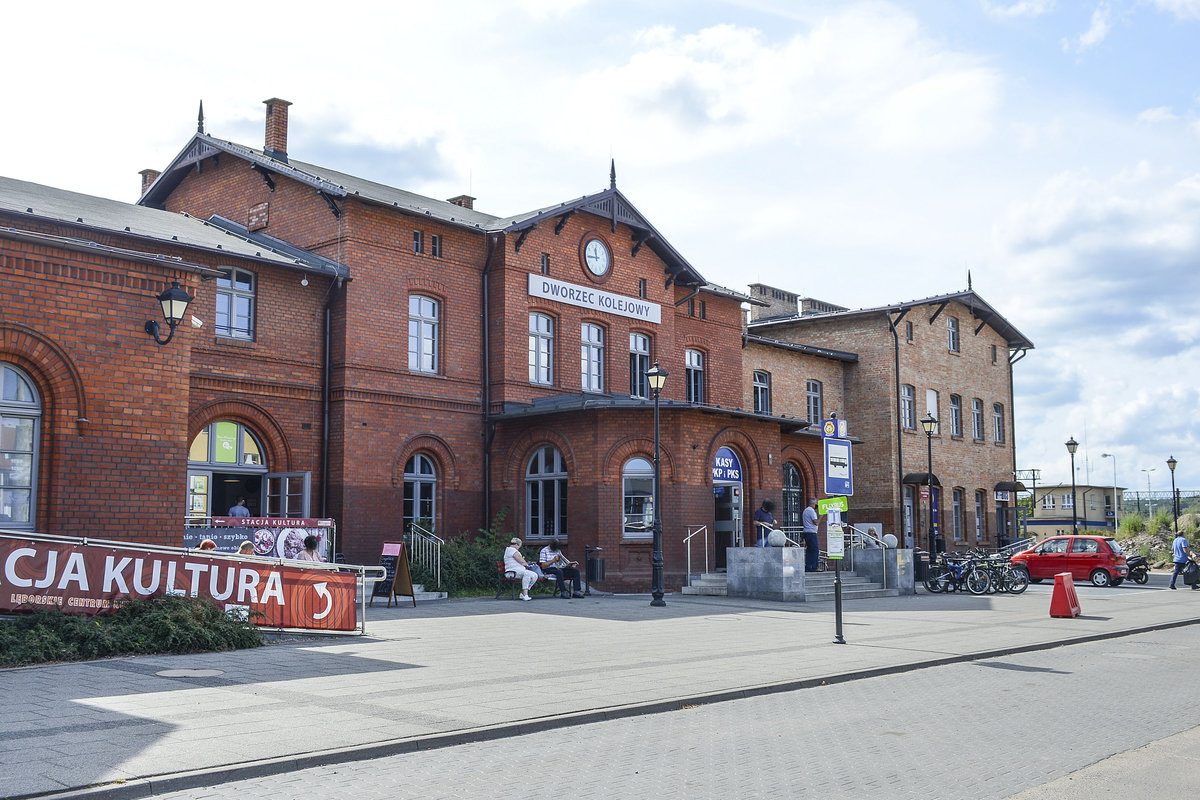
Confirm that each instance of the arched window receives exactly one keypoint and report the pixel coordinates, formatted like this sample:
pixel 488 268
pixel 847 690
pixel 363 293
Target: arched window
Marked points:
pixel 420 492
pixel 423 314
pixel 225 462
pixel 20 418
pixel 546 494
pixel 637 481
pixel 793 496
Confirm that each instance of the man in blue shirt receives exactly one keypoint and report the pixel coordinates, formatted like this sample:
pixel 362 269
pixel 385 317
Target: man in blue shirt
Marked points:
pixel 239 509
pixel 1181 555
pixel 764 523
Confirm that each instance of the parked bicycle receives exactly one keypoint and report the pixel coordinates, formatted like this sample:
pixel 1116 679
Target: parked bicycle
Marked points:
pixel 953 573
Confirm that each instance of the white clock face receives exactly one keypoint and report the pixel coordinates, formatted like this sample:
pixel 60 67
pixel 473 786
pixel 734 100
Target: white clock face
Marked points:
pixel 595 255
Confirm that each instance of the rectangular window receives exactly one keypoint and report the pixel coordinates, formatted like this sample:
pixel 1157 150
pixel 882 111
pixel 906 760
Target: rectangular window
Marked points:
pixel 908 408
pixel 703 310
pixel 1048 501
pixel 639 363
pixel 977 419
pixel 692 307
pixel 762 392
pixel 979 517
pixel 957 513
pixel 1068 500
pixel 541 349
pixel 994 354
pixel 545 263
pixel 641 287
pixel 435 245
pixel 812 393
pixel 287 494
pixel 931 405
pixel 592 357
pixel 956 419
pixel 998 422
pixel 235 304
pixel 418 241
pixel 637 489
pixel 422 334
pixel 952 334
pixel 694 376
pixel 908 331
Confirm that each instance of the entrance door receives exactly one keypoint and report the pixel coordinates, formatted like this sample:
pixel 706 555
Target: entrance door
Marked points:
pixel 727 516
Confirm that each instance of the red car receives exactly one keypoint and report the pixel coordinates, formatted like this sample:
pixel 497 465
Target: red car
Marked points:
pixel 1095 558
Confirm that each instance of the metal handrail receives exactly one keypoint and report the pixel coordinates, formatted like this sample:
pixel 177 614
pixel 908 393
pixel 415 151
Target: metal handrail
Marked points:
pixel 425 548
pixel 1017 546
pixel 692 531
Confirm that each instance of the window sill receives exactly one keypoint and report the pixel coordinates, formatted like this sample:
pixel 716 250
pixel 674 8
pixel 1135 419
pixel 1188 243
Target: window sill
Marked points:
pixel 232 341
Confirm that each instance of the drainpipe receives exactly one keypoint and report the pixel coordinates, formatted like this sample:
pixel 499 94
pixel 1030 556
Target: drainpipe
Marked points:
pixel 326 356
pixel 486 356
pixel 899 429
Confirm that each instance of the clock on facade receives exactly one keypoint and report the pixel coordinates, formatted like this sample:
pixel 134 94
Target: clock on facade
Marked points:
pixel 596 257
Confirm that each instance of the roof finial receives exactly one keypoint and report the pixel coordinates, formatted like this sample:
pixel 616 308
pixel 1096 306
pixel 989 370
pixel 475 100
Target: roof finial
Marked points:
pixel 612 175
pixel 200 119
pixel 968 280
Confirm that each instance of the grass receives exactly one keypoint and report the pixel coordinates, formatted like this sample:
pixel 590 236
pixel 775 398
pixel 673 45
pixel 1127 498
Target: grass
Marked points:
pixel 137 627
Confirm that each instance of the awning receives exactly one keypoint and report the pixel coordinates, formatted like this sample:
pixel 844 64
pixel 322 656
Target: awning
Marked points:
pixel 920 479
pixel 1010 486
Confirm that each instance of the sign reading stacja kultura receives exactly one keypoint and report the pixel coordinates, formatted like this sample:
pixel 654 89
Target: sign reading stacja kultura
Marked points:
pixel 587 297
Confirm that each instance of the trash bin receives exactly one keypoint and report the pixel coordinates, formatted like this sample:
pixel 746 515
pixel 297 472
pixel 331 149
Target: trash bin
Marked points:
pixel 595 570
pixel 920 566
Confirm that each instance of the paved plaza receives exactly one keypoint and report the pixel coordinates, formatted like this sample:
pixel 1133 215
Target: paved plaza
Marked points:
pixel 478 671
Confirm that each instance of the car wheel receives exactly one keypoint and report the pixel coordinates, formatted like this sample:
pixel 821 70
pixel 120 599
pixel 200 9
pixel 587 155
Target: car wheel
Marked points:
pixel 1101 578
pixel 1118 581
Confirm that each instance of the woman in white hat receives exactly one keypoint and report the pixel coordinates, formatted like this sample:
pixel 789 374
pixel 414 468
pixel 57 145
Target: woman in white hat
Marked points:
pixel 515 563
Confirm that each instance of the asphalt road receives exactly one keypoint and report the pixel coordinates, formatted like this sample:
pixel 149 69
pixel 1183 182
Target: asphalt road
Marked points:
pixel 1115 718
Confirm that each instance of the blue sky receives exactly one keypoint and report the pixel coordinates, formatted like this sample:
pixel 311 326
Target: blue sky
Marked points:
pixel 858 152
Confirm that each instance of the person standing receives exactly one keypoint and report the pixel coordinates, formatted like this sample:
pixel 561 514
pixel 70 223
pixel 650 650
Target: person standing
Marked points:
pixel 812 548
pixel 1181 555
pixel 515 563
pixel 764 522
pixel 239 509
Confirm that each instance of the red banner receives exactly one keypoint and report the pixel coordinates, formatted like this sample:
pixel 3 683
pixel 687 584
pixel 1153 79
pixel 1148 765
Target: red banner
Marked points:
pixel 90 579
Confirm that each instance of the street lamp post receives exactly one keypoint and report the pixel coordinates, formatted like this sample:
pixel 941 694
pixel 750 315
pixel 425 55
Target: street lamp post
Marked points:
pixel 656 376
pixel 1149 494
pixel 1116 514
pixel 1072 446
pixel 1171 462
pixel 929 423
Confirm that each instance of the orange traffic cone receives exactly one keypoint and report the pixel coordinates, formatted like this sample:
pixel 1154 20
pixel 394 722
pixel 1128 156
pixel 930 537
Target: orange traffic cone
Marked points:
pixel 1064 603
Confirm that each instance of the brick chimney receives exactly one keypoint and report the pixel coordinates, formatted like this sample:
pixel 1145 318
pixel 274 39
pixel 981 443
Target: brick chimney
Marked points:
pixel 149 176
pixel 277 128
pixel 464 200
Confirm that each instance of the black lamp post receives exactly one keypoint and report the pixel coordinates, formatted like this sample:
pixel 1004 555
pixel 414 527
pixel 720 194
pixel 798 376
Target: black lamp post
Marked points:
pixel 929 423
pixel 656 376
pixel 1171 462
pixel 1072 446
pixel 174 305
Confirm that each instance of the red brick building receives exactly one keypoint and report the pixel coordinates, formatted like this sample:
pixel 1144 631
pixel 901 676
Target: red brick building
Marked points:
pixel 949 356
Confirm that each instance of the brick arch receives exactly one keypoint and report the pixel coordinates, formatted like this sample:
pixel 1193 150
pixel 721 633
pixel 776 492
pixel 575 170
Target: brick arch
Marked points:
pixel 808 470
pixel 58 379
pixel 625 449
pixel 518 453
pixel 278 453
pixel 737 439
pixel 427 443
pixel 694 342
pixel 430 287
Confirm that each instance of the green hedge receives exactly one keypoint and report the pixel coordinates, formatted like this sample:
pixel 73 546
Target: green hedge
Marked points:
pixel 137 627
pixel 469 561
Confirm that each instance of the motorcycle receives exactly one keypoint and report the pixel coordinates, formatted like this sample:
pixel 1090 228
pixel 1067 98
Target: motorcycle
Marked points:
pixel 1139 569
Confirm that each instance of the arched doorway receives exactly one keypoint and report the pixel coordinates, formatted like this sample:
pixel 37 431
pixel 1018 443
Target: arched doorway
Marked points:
pixel 727 503
pixel 226 461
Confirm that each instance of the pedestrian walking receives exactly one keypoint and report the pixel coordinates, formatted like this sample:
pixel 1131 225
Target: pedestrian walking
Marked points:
pixel 1182 556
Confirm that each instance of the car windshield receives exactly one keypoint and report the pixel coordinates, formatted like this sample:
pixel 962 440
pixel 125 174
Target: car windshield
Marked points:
pixel 1112 545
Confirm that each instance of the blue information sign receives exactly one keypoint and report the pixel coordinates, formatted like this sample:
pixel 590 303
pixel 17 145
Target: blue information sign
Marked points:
pixel 726 466
pixel 839 469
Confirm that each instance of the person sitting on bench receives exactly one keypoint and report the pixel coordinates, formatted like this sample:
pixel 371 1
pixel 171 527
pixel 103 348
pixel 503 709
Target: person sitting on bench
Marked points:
pixel 554 563
pixel 515 563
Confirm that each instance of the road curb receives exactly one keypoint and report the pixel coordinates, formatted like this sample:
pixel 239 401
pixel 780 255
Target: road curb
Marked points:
pixel 180 781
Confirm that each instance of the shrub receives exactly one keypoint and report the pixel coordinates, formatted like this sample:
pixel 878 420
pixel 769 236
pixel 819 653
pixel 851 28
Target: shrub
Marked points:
pixel 1162 519
pixel 469 561
pixel 1132 525
pixel 137 627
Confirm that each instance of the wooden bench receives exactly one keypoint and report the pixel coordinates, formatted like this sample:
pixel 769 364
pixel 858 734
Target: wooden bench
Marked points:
pixel 502 578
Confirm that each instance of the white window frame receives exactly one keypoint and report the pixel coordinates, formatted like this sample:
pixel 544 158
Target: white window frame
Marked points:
pixel 546 492
pixel 423 327
pixel 639 364
pixel 977 431
pixel 931 406
pixel 694 376
pixel 956 419
pixel 1048 501
pixel 980 513
pixel 20 410
pixel 541 349
pixel 591 357
pixel 435 245
pixel 637 498
pixel 814 399
pixel 420 490
pixel 998 422
pixel 908 407
pixel 762 392
pixel 418 242
pixel 952 339
pixel 956 508
pixel 1068 500
pixel 235 286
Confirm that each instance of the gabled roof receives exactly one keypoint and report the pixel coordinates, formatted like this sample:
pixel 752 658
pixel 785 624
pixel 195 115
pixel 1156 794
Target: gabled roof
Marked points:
pixel 980 310
pixel 609 204
pixel 819 352
pixel 86 212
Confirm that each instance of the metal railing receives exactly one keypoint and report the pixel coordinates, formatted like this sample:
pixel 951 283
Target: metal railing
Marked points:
pixel 1017 546
pixel 425 548
pixel 687 540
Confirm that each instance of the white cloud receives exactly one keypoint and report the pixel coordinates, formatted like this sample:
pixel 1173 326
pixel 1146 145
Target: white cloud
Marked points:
pixel 1024 8
pixel 1096 33
pixel 1159 114
pixel 1184 9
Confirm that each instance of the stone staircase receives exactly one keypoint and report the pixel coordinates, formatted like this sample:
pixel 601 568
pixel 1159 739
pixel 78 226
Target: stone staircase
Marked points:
pixel 818 586
pixel 427 597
